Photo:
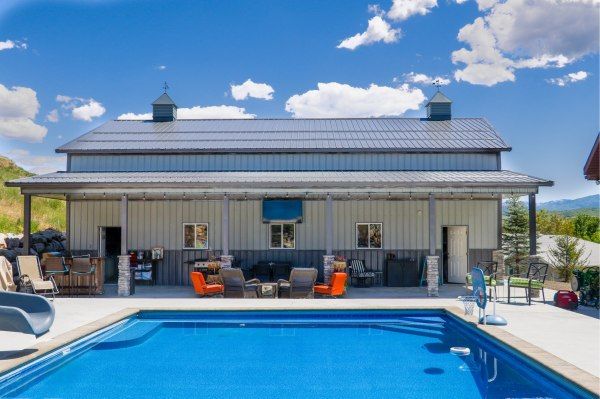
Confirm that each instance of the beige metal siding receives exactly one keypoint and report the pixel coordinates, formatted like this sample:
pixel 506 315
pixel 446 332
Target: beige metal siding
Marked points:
pixel 405 223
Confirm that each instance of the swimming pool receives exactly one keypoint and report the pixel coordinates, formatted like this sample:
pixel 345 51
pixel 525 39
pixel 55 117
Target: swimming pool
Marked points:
pixel 286 354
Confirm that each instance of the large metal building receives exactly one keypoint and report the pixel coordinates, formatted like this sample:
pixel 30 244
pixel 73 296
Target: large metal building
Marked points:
pixel 298 190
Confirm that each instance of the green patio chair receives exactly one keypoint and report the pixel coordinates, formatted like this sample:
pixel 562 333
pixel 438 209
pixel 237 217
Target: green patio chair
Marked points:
pixel 534 279
pixel 490 270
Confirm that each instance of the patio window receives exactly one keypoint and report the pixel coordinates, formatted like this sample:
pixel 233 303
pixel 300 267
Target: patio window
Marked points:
pixel 369 235
pixel 195 236
pixel 282 236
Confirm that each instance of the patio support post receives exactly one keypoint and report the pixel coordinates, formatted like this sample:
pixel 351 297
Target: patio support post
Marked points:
pixel 26 222
pixel 68 222
pixel 226 259
pixel 328 258
pixel 532 226
pixel 433 271
pixel 123 215
pixel 499 221
pixel 432 230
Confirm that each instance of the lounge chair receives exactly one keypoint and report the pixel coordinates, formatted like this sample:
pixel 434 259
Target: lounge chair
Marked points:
pixel 203 289
pixel 25 313
pixel 360 274
pixel 490 270
pixel 534 279
pixel 281 270
pixel 300 285
pixel 7 282
pixel 234 285
pixel 335 288
pixel 31 278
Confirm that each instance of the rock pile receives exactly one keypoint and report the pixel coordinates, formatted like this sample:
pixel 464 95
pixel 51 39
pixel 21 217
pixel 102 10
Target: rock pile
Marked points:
pixel 48 240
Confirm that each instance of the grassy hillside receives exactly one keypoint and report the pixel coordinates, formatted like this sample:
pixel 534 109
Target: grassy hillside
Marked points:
pixel 44 212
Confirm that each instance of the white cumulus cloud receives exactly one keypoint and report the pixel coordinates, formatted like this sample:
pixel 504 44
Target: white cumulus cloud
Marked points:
pixel 38 164
pixel 423 79
pixel 198 112
pixel 569 78
pixel 249 88
pixel 342 100
pixel 404 9
pixel 378 30
pixel 516 34
pixel 13 44
pixel 83 109
pixel 18 109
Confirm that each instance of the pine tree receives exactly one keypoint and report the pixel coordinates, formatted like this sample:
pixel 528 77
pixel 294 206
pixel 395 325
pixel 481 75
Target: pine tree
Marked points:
pixel 566 255
pixel 515 236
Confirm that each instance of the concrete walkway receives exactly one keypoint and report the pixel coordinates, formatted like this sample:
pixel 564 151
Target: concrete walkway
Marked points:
pixel 572 336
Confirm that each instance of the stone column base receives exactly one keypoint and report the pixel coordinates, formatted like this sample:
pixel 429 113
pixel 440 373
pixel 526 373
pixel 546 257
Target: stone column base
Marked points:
pixel 327 267
pixel 498 257
pixel 433 275
pixel 226 260
pixel 124 281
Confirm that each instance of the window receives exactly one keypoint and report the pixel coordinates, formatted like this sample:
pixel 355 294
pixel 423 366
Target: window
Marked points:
pixel 282 236
pixel 195 236
pixel 368 235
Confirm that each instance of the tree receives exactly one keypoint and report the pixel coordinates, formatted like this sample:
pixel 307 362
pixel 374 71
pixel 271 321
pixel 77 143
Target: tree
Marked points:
pixel 585 226
pixel 515 236
pixel 566 255
pixel 553 223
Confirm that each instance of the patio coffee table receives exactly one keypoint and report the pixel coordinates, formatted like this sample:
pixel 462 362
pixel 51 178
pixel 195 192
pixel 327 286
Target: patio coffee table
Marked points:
pixel 267 290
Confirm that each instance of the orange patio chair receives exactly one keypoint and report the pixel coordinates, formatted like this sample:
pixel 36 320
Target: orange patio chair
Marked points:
pixel 335 288
pixel 202 288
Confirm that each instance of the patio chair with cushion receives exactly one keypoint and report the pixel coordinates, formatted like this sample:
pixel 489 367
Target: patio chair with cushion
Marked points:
pixel 300 285
pixel 534 279
pixel 235 286
pixel 490 270
pixel 281 270
pixel 31 278
pixel 203 289
pixel 358 272
pixel 335 288
pixel 82 266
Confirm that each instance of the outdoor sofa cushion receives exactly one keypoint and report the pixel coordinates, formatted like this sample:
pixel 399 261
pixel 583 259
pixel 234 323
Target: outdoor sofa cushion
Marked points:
pixel 485 278
pixel 523 282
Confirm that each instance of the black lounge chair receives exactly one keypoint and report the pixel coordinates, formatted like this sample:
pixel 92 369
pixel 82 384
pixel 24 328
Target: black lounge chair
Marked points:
pixel 534 279
pixel 235 286
pixel 301 284
pixel 263 271
pixel 359 273
pixel 25 313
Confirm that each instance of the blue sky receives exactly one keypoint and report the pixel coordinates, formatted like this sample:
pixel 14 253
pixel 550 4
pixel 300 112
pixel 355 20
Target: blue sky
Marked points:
pixel 530 69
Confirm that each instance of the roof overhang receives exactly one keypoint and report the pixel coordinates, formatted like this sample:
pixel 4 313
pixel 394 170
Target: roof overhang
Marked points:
pixel 591 170
pixel 281 183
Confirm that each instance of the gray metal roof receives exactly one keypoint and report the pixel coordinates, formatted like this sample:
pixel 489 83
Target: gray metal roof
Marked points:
pixel 290 135
pixel 377 179
pixel 164 99
pixel 439 97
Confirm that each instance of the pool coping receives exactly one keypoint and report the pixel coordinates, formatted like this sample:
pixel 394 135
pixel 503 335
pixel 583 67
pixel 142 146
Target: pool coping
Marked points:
pixel 559 366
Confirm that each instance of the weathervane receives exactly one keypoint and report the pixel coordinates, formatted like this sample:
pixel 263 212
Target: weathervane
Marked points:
pixel 437 83
pixel 166 86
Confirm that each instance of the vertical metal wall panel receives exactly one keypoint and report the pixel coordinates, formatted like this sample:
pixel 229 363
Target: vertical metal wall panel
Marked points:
pixel 303 161
pixel 404 223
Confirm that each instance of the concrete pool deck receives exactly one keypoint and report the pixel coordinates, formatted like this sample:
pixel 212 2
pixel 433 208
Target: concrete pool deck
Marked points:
pixel 573 338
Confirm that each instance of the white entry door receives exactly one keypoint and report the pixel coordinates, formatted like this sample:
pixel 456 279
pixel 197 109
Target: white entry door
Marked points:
pixel 457 254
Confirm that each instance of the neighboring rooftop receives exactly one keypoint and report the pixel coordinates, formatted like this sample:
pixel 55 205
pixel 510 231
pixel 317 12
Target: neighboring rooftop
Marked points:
pixel 291 135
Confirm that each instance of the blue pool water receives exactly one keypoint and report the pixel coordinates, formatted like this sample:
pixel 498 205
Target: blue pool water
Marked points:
pixel 345 354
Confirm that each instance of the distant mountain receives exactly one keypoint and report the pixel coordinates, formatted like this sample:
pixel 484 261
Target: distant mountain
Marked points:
pixel 589 202
pixel 570 207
